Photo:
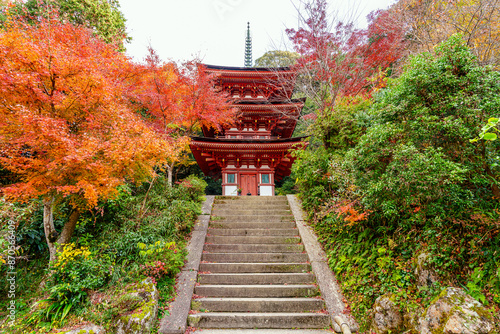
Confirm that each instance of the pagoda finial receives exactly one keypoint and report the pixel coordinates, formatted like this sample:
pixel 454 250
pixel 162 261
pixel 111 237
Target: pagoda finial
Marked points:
pixel 248 48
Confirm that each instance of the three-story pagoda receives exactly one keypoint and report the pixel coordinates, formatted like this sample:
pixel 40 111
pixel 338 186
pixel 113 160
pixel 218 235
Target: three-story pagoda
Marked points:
pixel 254 152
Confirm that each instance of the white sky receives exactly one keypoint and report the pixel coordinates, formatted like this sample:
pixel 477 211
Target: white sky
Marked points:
pixel 215 30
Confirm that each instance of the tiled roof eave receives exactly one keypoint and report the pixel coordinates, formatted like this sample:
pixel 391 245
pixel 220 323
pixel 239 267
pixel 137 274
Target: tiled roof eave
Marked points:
pixel 245 146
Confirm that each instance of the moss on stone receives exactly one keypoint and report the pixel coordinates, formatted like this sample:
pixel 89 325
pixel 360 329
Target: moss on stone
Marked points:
pixel 144 295
pixel 483 312
pixel 128 302
pixel 193 320
pixel 217 225
pixel 195 305
pixel 457 304
pixel 291 240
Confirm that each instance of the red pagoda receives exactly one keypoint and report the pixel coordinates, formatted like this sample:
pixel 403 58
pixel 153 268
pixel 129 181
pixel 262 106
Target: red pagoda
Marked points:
pixel 254 152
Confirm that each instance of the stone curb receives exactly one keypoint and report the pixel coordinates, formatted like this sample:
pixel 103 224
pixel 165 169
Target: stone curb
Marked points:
pixel 327 283
pixel 206 208
pixel 262 331
pixel 176 321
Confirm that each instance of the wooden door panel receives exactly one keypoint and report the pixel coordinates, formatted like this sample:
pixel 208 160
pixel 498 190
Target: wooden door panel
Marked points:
pixel 249 184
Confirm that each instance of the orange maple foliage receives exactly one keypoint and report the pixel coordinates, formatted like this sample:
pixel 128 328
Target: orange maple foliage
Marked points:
pixel 179 100
pixel 180 96
pixel 350 214
pixel 65 127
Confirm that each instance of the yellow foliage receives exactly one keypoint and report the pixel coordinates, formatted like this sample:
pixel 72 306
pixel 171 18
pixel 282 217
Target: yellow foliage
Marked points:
pixel 430 22
pixel 69 254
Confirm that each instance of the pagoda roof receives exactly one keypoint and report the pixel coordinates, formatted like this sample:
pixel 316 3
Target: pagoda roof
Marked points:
pixel 255 74
pixel 258 83
pixel 236 141
pixel 271 103
pixel 248 69
pixel 212 154
pixel 246 107
pixel 288 111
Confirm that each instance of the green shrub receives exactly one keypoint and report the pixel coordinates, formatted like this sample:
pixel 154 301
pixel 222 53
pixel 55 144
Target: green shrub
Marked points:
pixel 104 253
pixel 76 272
pixel 311 169
pixel 286 186
pixel 341 128
pixel 194 187
pixel 161 259
pixel 411 182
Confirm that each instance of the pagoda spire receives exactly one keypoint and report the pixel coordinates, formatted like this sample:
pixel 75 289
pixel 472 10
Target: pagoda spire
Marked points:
pixel 248 48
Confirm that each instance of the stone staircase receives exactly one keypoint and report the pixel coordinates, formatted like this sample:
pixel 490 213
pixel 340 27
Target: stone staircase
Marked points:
pixel 254 272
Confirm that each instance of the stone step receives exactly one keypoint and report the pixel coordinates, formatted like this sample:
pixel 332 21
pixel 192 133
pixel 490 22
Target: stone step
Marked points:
pixel 251 224
pixel 252 204
pixel 254 248
pixel 259 320
pixel 254 278
pixel 254 291
pixel 251 218
pixel 265 239
pixel 258 304
pixel 257 206
pixel 264 199
pixel 255 257
pixel 254 231
pixel 250 212
pixel 255 267
pixel 263 331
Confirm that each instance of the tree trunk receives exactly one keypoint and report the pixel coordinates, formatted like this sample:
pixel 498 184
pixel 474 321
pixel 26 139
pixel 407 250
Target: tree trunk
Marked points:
pixel 53 238
pixel 143 206
pixel 170 172
pixel 48 226
pixel 69 227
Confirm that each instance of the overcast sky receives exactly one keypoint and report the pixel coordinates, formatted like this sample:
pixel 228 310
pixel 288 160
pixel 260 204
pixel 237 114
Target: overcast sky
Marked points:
pixel 215 30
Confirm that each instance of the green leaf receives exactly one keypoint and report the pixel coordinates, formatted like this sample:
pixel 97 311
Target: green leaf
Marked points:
pixel 490 136
pixel 493 121
pixel 66 310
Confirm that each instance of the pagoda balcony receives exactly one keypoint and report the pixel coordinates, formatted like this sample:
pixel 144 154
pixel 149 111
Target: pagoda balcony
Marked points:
pixel 256 137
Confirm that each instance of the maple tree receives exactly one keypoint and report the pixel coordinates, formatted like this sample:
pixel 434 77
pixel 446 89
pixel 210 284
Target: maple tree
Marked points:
pixel 428 23
pixel 65 127
pixel 339 60
pixel 178 101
